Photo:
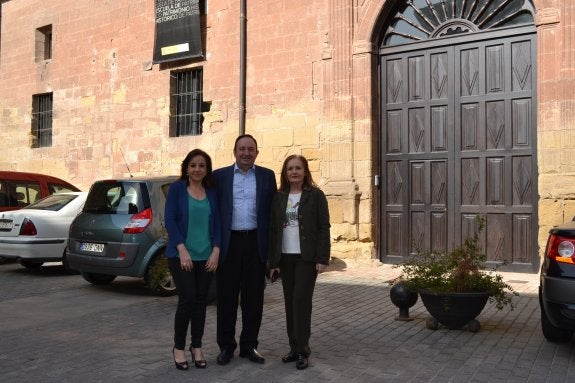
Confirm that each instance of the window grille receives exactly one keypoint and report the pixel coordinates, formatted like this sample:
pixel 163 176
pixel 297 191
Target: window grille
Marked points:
pixel 186 90
pixel 42 120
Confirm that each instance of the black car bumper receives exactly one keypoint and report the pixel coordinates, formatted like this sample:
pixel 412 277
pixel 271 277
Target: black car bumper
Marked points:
pixel 557 297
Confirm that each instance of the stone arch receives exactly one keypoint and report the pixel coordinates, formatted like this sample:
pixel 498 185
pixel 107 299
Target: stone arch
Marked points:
pixel 369 16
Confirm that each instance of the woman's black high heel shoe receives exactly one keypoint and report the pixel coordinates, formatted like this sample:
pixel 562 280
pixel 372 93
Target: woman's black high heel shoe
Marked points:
pixel 198 363
pixel 179 365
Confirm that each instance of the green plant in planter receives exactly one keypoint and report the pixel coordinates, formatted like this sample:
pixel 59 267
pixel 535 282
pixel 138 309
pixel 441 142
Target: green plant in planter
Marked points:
pixel 461 270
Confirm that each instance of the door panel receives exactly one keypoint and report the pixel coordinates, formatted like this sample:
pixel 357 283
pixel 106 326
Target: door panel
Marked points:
pixel 417 151
pixel 428 205
pixel 496 160
pixel 459 140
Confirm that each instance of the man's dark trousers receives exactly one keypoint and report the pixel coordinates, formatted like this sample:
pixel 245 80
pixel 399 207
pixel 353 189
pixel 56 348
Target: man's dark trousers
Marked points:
pixel 242 271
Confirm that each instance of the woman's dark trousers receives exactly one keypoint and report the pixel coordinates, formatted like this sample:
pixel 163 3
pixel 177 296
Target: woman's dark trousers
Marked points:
pixel 298 282
pixel 192 288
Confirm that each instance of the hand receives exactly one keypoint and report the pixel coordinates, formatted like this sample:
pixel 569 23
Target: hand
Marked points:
pixel 185 257
pixel 186 263
pixel 273 274
pixel 212 262
pixel 320 267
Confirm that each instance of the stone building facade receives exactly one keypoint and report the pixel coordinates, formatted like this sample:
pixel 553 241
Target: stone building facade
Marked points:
pixel 313 86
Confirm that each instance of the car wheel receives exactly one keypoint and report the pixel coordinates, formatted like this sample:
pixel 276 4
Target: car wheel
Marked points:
pixel 158 277
pixel 552 333
pixel 66 265
pixel 98 279
pixel 31 264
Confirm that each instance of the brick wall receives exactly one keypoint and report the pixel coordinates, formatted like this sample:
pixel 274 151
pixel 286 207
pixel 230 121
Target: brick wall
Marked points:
pixel 556 122
pixel 311 86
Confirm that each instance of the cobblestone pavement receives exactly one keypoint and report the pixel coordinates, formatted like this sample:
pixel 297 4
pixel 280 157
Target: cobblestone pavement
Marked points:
pixel 56 327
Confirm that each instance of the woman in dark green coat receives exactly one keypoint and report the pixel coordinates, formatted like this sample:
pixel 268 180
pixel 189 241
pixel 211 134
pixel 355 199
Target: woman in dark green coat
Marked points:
pixel 299 250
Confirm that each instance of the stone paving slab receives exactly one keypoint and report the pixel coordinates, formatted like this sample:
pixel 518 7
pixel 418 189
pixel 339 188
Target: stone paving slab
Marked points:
pixel 56 327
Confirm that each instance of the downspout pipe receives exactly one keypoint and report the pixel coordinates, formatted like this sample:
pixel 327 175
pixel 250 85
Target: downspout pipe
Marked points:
pixel 243 48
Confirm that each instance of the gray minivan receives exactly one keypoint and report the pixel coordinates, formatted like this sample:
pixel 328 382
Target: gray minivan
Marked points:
pixel 120 231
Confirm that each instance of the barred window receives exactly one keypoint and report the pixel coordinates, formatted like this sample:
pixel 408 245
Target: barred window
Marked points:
pixel 186 103
pixel 42 120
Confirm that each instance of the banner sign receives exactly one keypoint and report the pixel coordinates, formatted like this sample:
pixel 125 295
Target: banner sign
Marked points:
pixel 178 32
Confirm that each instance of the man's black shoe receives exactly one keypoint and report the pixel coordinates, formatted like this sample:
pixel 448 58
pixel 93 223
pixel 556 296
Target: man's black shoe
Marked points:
pixel 289 357
pixel 224 357
pixel 301 362
pixel 253 355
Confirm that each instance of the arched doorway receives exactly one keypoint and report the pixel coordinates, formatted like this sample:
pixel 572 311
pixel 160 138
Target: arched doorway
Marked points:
pixel 458 90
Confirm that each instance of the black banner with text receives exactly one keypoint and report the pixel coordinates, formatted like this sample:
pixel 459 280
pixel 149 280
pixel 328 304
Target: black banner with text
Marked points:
pixel 178 32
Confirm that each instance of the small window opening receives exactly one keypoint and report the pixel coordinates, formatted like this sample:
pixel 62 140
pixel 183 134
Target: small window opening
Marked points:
pixel 44 43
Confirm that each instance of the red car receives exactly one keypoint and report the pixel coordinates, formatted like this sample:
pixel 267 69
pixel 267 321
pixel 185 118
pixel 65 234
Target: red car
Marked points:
pixel 19 189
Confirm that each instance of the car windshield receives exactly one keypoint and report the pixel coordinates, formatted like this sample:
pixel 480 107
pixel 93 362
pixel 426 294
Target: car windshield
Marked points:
pixel 115 197
pixel 53 202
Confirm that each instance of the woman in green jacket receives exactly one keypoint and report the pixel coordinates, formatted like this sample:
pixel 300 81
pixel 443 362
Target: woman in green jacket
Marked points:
pixel 299 250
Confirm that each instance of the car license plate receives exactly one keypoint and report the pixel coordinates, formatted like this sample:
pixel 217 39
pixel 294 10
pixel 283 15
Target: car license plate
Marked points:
pixel 92 247
pixel 5 224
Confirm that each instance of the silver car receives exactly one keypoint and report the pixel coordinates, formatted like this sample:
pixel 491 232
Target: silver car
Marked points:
pixel 120 231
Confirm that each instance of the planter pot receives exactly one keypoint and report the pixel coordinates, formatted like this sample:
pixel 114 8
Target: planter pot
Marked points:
pixel 454 310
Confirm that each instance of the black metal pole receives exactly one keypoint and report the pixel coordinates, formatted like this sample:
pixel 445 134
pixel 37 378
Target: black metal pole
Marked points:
pixel 243 46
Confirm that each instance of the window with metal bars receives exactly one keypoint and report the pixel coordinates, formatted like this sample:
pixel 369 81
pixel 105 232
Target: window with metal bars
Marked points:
pixel 42 120
pixel 186 88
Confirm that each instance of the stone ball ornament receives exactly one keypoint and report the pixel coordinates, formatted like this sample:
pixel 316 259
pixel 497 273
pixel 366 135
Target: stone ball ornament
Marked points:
pixel 403 298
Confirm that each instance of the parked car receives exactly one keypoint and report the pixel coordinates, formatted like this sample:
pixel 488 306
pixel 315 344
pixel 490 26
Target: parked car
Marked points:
pixel 38 233
pixel 121 231
pixel 557 285
pixel 19 189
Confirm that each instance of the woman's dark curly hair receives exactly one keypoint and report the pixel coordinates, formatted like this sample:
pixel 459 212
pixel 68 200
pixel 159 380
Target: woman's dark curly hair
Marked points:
pixel 207 181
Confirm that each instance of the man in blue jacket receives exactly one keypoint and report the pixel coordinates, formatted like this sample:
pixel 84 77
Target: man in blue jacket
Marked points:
pixel 245 193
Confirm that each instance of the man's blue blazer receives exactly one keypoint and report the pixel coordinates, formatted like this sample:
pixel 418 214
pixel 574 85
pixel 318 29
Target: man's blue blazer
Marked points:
pixel 266 187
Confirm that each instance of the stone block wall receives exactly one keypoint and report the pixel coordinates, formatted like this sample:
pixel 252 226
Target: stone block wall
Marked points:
pixel 311 89
pixel 556 114
pixel 111 103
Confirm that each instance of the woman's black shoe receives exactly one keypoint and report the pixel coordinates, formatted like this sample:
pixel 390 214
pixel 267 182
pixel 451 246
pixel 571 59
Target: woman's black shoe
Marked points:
pixel 301 362
pixel 289 357
pixel 198 363
pixel 179 365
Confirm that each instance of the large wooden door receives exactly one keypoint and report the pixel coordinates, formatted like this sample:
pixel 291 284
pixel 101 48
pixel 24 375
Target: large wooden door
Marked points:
pixel 459 140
